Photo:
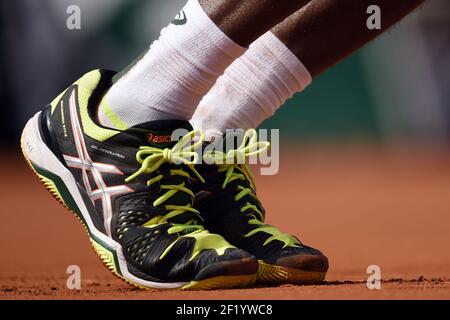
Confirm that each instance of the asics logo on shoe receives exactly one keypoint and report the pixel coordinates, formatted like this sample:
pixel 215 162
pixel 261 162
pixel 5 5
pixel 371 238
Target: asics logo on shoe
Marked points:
pixel 101 192
pixel 180 19
pixel 152 138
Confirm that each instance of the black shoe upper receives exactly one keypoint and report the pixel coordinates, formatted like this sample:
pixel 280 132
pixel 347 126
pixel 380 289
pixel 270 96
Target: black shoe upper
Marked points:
pixel 241 221
pixel 173 248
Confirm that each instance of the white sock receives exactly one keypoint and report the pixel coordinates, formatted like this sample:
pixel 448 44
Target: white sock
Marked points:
pixel 253 87
pixel 173 76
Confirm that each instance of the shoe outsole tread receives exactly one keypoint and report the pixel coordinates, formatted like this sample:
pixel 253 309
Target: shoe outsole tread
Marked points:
pixel 277 275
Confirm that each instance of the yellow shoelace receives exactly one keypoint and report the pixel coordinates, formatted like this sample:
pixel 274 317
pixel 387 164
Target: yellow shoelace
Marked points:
pixel 227 162
pixel 184 152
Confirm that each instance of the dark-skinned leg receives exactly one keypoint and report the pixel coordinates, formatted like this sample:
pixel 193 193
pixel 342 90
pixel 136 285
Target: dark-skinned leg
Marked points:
pixel 245 21
pixel 171 78
pixel 326 31
pixel 284 61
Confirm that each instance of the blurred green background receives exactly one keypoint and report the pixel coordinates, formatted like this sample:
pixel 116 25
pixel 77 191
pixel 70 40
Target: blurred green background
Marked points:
pixel 337 106
pixel 394 91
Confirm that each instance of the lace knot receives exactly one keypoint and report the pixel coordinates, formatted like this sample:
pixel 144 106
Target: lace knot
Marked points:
pixel 167 155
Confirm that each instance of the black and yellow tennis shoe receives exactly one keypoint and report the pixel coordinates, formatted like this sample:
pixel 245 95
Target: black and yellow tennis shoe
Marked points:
pixel 132 191
pixel 231 208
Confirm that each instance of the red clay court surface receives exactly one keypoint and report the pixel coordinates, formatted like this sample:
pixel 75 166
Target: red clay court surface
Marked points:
pixel 360 205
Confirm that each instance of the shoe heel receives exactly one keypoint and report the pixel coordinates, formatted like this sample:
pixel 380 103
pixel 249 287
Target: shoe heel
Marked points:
pixel 46 165
pixel 35 150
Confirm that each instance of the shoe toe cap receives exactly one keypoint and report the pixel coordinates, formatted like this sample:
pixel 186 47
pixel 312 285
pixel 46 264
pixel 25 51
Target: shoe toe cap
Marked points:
pixel 305 262
pixel 234 262
pixel 308 259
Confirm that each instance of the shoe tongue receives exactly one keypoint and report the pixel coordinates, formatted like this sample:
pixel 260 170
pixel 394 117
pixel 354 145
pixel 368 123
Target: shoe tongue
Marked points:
pixel 224 142
pixel 159 133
